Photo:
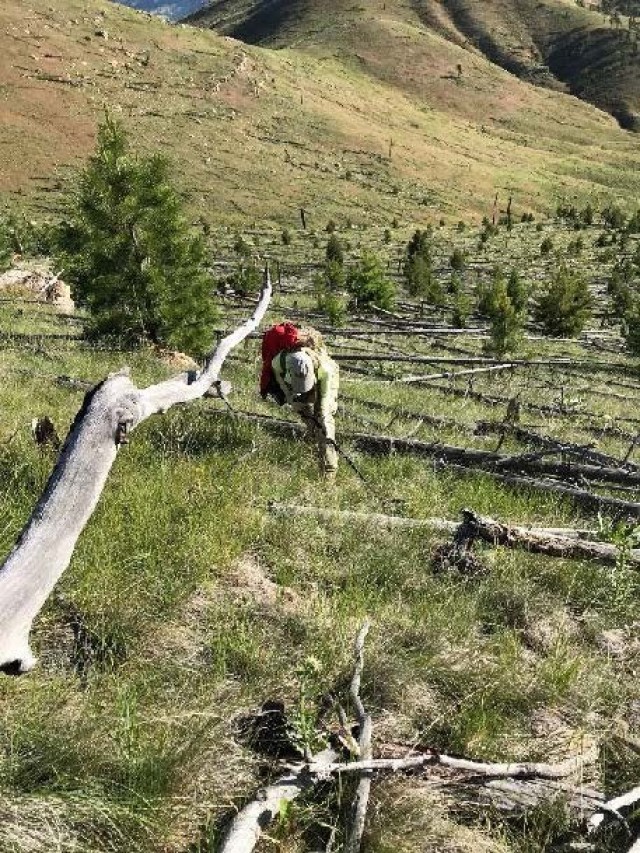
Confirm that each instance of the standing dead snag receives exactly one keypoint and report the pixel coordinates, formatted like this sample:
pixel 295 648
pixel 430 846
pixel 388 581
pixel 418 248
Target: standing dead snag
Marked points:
pixel 108 415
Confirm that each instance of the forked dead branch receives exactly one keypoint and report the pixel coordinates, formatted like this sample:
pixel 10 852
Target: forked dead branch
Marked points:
pixel 520 784
pixel 108 414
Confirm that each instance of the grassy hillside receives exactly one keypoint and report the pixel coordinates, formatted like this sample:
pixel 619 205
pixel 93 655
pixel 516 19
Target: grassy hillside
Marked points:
pixel 388 131
pixel 555 43
pixel 188 603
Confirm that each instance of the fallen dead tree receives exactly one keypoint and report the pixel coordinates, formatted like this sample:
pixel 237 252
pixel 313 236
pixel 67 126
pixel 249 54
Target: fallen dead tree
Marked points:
pixel 473 458
pixel 108 415
pixel 541 408
pixel 562 446
pixel 486 361
pixel 553 542
pixel 506 786
pixel 460 459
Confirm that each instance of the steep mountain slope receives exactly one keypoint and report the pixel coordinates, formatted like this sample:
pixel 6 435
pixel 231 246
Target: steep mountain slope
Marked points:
pixel 384 128
pixel 555 43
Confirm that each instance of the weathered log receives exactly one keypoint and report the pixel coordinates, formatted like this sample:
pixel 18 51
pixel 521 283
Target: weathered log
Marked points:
pixel 612 807
pixel 590 501
pixel 45 546
pixel 454 374
pixel 541 408
pixel 473 458
pixel 384 444
pixel 254 818
pixel 487 361
pixel 551 442
pixel 553 542
pixel 482 769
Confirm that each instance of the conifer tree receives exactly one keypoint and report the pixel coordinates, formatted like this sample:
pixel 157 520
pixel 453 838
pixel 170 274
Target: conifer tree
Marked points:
pixel 564 307
pixel 418 269
pixel 506 322
pixel 369 285
pixel 517 291
pixel 128 253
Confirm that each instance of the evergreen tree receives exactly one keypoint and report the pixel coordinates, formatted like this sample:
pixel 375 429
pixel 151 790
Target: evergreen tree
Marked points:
pixel 369 285
pixel 129 254
pixel 458 260
pixel 334 252
pixel 564 307
pixel 517 291
pixel 506 322
pixel 418 269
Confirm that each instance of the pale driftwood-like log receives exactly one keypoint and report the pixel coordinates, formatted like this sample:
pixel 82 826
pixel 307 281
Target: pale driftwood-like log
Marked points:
pixel 254 818
pixel 554 542
pixel 45 546
pixel 486 770
pixel 424 379
pixel 487 361
pixel 518 796
pixel 361 799
pixel 488 459
pixel 612 807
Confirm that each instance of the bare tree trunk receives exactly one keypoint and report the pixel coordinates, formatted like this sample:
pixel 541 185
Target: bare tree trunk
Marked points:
pixel 45 546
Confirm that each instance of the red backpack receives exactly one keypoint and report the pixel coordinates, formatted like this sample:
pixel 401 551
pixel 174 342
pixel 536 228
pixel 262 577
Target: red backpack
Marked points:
pixel 283 336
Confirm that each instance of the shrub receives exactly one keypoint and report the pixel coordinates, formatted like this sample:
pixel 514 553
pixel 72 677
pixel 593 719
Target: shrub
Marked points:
pixel 455 284
pixel 242 247
pixel 517 291
pixel 418 271
pixel 334 275
pixel 613 217
pixel 619 290
pixel 486 290
pixel 633 225
pixel 335 251
pixel 128 253
pixel 286 237
pixel 331 227
pixel 575 247
pixel 332 305
pixel 462 308
pixel 564 307
pixel 368 284
pixel 546 247
pixel 587 215
pixel 246 280
pixel 458 260
pixel 506 322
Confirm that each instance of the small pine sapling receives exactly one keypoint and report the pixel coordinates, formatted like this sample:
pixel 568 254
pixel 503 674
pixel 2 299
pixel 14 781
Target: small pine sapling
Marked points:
pixel 564 307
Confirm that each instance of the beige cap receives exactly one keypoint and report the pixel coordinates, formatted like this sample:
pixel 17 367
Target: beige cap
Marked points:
pixel 300 373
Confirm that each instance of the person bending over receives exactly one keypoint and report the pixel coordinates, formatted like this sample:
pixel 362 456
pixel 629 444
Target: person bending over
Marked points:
pixel 310 379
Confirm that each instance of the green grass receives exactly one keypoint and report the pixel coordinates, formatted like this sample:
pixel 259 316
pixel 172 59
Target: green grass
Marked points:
pixel 187 603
